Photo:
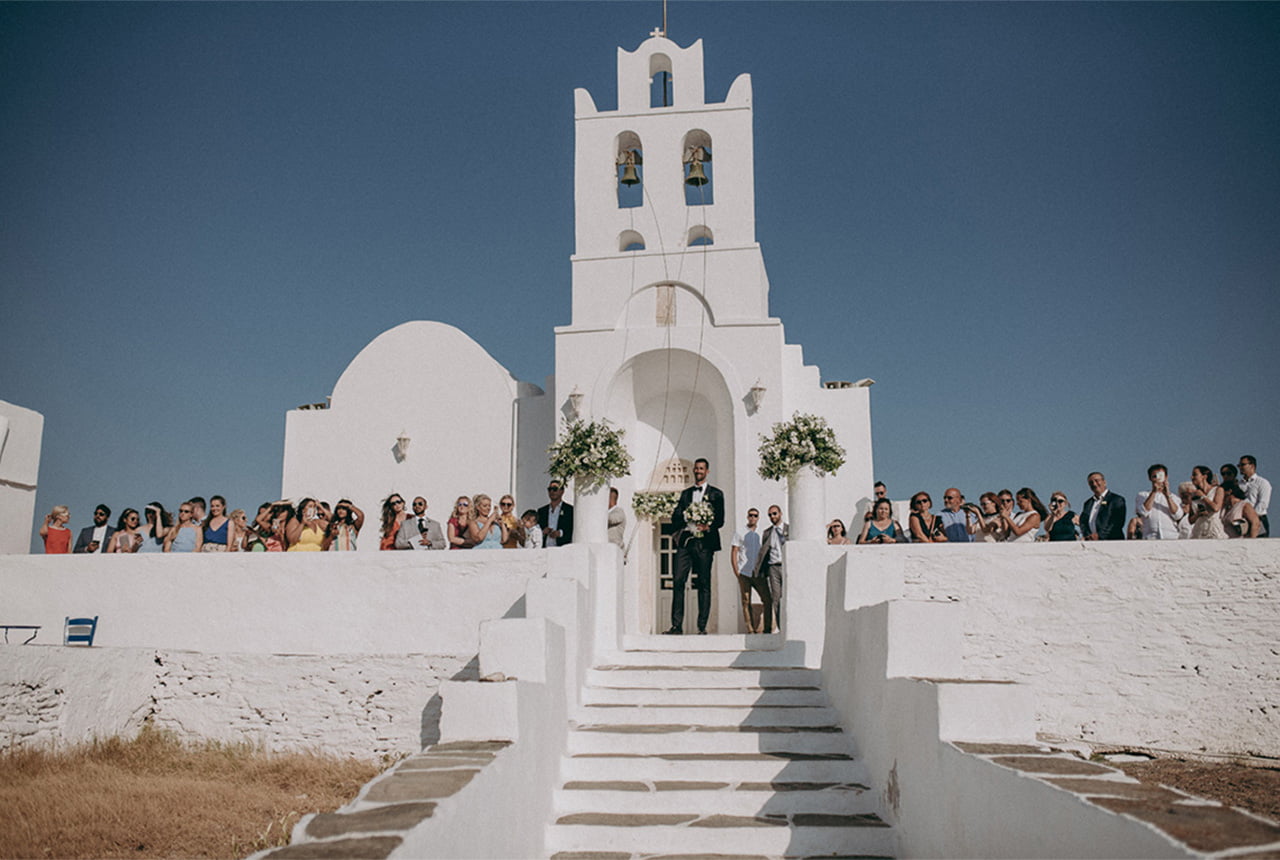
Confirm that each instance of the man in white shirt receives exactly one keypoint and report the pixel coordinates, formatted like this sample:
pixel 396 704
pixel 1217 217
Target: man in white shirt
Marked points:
pixel 742 555
pixel 1158 507
pixel 1257 489
pixel 617 520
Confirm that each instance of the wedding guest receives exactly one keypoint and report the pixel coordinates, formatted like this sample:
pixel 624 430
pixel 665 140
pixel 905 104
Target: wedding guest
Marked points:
pixel 304 532
pixel 1206 506
pixel 242 538
pixel 507 510
pixel 1062 523
pixel 881 527
pixel 1239 518
pixel 347 521
pixel 925 526
pixel 1157 506
pixel 273 525
pixel 617 520
pixel 486 530
pixel 186 535
pixel 94 538
pixel 459 525
pixel 1228 472
pixel 1258 490
pixel 956 516
pixel 216 526
pixel 197 508
pixel 986 526
pixel 420 531
pixel 836 535
pixel 54 532
pixel 393 517
pixel 1186 490
pixel 127 537
pixel 158 522
pixel 1021 526
pixel 532 531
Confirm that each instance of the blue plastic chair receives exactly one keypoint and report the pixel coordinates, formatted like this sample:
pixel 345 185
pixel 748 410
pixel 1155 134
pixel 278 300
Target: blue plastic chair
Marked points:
pixel 84 628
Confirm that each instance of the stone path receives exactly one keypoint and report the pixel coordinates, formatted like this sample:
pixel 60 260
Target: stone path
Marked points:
pixel 694 746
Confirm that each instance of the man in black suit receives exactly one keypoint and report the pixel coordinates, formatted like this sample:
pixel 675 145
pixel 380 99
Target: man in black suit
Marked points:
pixel 556 518
pixel 696 546
pixel 1102 517
pixel 95 538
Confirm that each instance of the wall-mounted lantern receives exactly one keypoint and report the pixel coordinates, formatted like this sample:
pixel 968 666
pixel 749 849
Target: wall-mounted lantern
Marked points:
pixel 756 395
pixel 575 403
pixel 402 446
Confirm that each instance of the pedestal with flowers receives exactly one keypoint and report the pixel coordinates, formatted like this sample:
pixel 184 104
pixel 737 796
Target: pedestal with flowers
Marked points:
pixel 802 451
pixel 590 453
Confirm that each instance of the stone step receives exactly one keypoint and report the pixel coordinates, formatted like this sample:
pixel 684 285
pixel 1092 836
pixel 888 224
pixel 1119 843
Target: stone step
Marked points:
pixel 709 797
pixel 689 834
pixel 695 715
pixel 709 740
pixel 724 767
pixel 656 699
pixel 694 678
pixel 725 642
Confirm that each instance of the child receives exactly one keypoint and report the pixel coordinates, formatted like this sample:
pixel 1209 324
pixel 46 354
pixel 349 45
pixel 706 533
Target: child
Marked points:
pixel 532 534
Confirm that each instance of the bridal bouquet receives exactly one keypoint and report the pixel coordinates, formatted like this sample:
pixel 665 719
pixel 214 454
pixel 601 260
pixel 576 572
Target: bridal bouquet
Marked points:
pixel 589 452
pixel 654 505
pixel 699 514
pixel 805 440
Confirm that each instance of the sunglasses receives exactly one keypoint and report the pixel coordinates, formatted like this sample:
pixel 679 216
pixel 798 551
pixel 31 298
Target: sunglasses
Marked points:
pixel 397 501
pixel 464 504
pixel 506 504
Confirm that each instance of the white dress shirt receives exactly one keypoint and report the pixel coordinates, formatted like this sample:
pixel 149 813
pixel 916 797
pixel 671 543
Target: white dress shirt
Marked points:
pixel 1160 522
pixel 1257 491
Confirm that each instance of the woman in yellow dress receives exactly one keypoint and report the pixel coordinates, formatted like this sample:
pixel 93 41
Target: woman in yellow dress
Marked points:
pixel 305 529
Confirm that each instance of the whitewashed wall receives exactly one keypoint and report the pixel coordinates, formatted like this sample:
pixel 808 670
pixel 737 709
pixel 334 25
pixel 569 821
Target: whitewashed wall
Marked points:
pixel 294 603
pixel 21 432
pixel 359 705
pixel 1162 644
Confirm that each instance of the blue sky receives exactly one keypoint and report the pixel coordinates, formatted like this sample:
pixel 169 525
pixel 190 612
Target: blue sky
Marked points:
pixel 1049 231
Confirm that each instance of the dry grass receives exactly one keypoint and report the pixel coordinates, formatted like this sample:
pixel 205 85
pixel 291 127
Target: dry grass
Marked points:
pixel 157 797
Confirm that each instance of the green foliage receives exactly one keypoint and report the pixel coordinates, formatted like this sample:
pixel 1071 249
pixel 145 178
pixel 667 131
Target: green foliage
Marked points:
pixel 589 452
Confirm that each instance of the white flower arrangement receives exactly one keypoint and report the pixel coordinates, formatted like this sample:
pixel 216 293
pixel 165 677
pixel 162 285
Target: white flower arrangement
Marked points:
pixel 654 505
pixel 589 452
pixel 699 513
pixel 805 440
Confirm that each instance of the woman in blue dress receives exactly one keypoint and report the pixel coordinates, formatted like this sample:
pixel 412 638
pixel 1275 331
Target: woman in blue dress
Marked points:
pixel 882 527
pixel 487 529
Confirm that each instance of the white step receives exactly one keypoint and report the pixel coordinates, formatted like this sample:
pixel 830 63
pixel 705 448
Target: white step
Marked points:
pixel 752 840
pixel 845 798
pixel 686 740
pixel 660 699
pixel 741 768
pixel 729 642
pixel 692 715
pixel 702 678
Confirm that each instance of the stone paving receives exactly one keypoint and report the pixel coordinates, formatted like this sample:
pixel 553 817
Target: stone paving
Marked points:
pixel 370 827
pixel 1205 826
pixel 690 754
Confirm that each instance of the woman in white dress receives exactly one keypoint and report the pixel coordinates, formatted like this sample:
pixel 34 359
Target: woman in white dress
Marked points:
pixel 1206 506
pixel 1022 526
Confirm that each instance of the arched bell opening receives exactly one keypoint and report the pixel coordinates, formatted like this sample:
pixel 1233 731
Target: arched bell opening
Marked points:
pixel 699 189
pixel 629 165
pixel 662 90
pixel 630 240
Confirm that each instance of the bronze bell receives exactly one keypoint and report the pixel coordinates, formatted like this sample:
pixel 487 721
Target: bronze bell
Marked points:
pixel 697 176
pixel 629 175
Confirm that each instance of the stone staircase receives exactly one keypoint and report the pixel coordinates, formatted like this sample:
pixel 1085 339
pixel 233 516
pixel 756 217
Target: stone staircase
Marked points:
pixel 711 745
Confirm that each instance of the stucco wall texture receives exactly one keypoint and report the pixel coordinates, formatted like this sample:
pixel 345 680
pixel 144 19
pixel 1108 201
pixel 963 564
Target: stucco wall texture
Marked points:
pixel 1161 644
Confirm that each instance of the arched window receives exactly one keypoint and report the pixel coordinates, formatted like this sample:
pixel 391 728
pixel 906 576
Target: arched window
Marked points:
pixel 629 160
pixel 630 240
pixel 700 234
pixel 662 89
pixel 698 179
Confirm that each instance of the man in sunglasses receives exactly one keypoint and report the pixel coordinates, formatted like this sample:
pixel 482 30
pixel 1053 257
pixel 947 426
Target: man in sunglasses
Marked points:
pixel 420 531
pixel 556 517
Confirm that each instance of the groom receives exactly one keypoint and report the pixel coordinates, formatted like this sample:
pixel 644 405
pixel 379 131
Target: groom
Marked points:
pixel 696 546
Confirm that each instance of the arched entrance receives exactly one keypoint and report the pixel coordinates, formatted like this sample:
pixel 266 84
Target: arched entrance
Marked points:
pixel 675 407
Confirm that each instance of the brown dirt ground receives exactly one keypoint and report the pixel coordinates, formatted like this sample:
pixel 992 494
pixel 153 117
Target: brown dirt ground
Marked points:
pixel 1256 789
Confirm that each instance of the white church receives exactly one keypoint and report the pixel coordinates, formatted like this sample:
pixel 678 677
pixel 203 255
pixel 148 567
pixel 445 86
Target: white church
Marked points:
pixel 670 339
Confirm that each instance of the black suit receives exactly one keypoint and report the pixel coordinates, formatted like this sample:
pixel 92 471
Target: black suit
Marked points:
pixel 86 538
pixel 1110 523
pixel 696 554
pixel 564 524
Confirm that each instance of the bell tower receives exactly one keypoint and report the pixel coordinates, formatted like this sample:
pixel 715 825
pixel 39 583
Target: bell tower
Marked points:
pixel 665 198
